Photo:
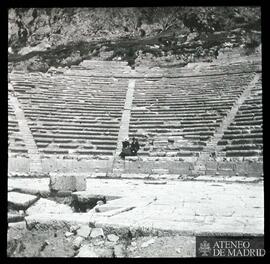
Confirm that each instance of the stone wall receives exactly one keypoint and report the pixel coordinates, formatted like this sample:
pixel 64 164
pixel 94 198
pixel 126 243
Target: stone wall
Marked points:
pixel 61 165
pixel 226 168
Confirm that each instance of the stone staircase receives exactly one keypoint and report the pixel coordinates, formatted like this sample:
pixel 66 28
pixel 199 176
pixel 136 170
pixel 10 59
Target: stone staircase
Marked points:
pixel 35 161
pixel 212 145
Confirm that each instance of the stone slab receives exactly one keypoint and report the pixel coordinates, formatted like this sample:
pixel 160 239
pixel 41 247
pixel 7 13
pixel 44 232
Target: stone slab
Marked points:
pixel 67 182
pixel 20 200
pixel 84 231
pixel 48 207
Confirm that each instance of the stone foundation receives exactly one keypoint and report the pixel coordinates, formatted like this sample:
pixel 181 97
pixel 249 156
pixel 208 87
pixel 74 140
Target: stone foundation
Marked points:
pixel 139 166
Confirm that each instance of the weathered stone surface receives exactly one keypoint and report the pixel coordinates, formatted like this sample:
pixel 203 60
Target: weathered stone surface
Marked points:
pixel 97 232
pixel 159 171
pixel 20 200
pixel 119 251
pixel 67 182
pixel 73 229
pixel 87 252
pixel 77 242
pixel 112 237
pixel 48 206
pixel 84 231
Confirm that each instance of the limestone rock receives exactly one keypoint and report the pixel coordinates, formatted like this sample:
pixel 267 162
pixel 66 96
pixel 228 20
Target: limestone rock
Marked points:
pixel 87 252
pixel 84 231
pixel 21 200
pixel 119 251
pixel 68 234
pixel 77 242
pixel 73 229
pixel 96 232
pixel 112 238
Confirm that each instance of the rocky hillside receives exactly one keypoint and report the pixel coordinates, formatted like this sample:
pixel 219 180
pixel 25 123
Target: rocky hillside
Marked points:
pixel 156 36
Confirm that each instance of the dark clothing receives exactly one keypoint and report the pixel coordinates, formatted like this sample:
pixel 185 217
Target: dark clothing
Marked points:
pixel 125 144
pixel 134 147
pixel 129 149
pixel 125 149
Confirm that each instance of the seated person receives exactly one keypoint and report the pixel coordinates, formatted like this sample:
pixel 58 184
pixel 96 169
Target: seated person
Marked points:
pixel 134 146
pixel 125 149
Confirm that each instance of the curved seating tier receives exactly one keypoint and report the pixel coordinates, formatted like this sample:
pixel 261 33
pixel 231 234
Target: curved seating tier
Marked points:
pixel 78 112
pixel 67 115
pixel 177 116
pixel 244 137
pixel 16 143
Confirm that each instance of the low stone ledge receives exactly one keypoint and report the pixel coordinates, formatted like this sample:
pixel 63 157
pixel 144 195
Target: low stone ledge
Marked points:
pixel 58 220
pixel 21 201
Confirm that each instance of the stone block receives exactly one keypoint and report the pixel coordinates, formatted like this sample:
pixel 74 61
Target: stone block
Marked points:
pixel 210 172
pixel 249 169
pixel 160 171
pixel 21 200
pixel 211 165
pixel 67 182
pixel 225 166
pixel 97 232
pixel 226 172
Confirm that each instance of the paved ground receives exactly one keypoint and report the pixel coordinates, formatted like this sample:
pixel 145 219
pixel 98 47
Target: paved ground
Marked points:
pixel 186 207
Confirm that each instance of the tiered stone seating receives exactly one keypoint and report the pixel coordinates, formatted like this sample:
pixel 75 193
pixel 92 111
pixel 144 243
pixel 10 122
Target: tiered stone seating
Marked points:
pixel 249 64
pixel 174 114
pixel 100 68
pixel 16 145
pixel 177 116
pixel 72 116
pixel 244 136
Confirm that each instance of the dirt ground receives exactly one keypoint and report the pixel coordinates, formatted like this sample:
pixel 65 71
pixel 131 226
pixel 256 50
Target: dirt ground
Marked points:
pixel 51 242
